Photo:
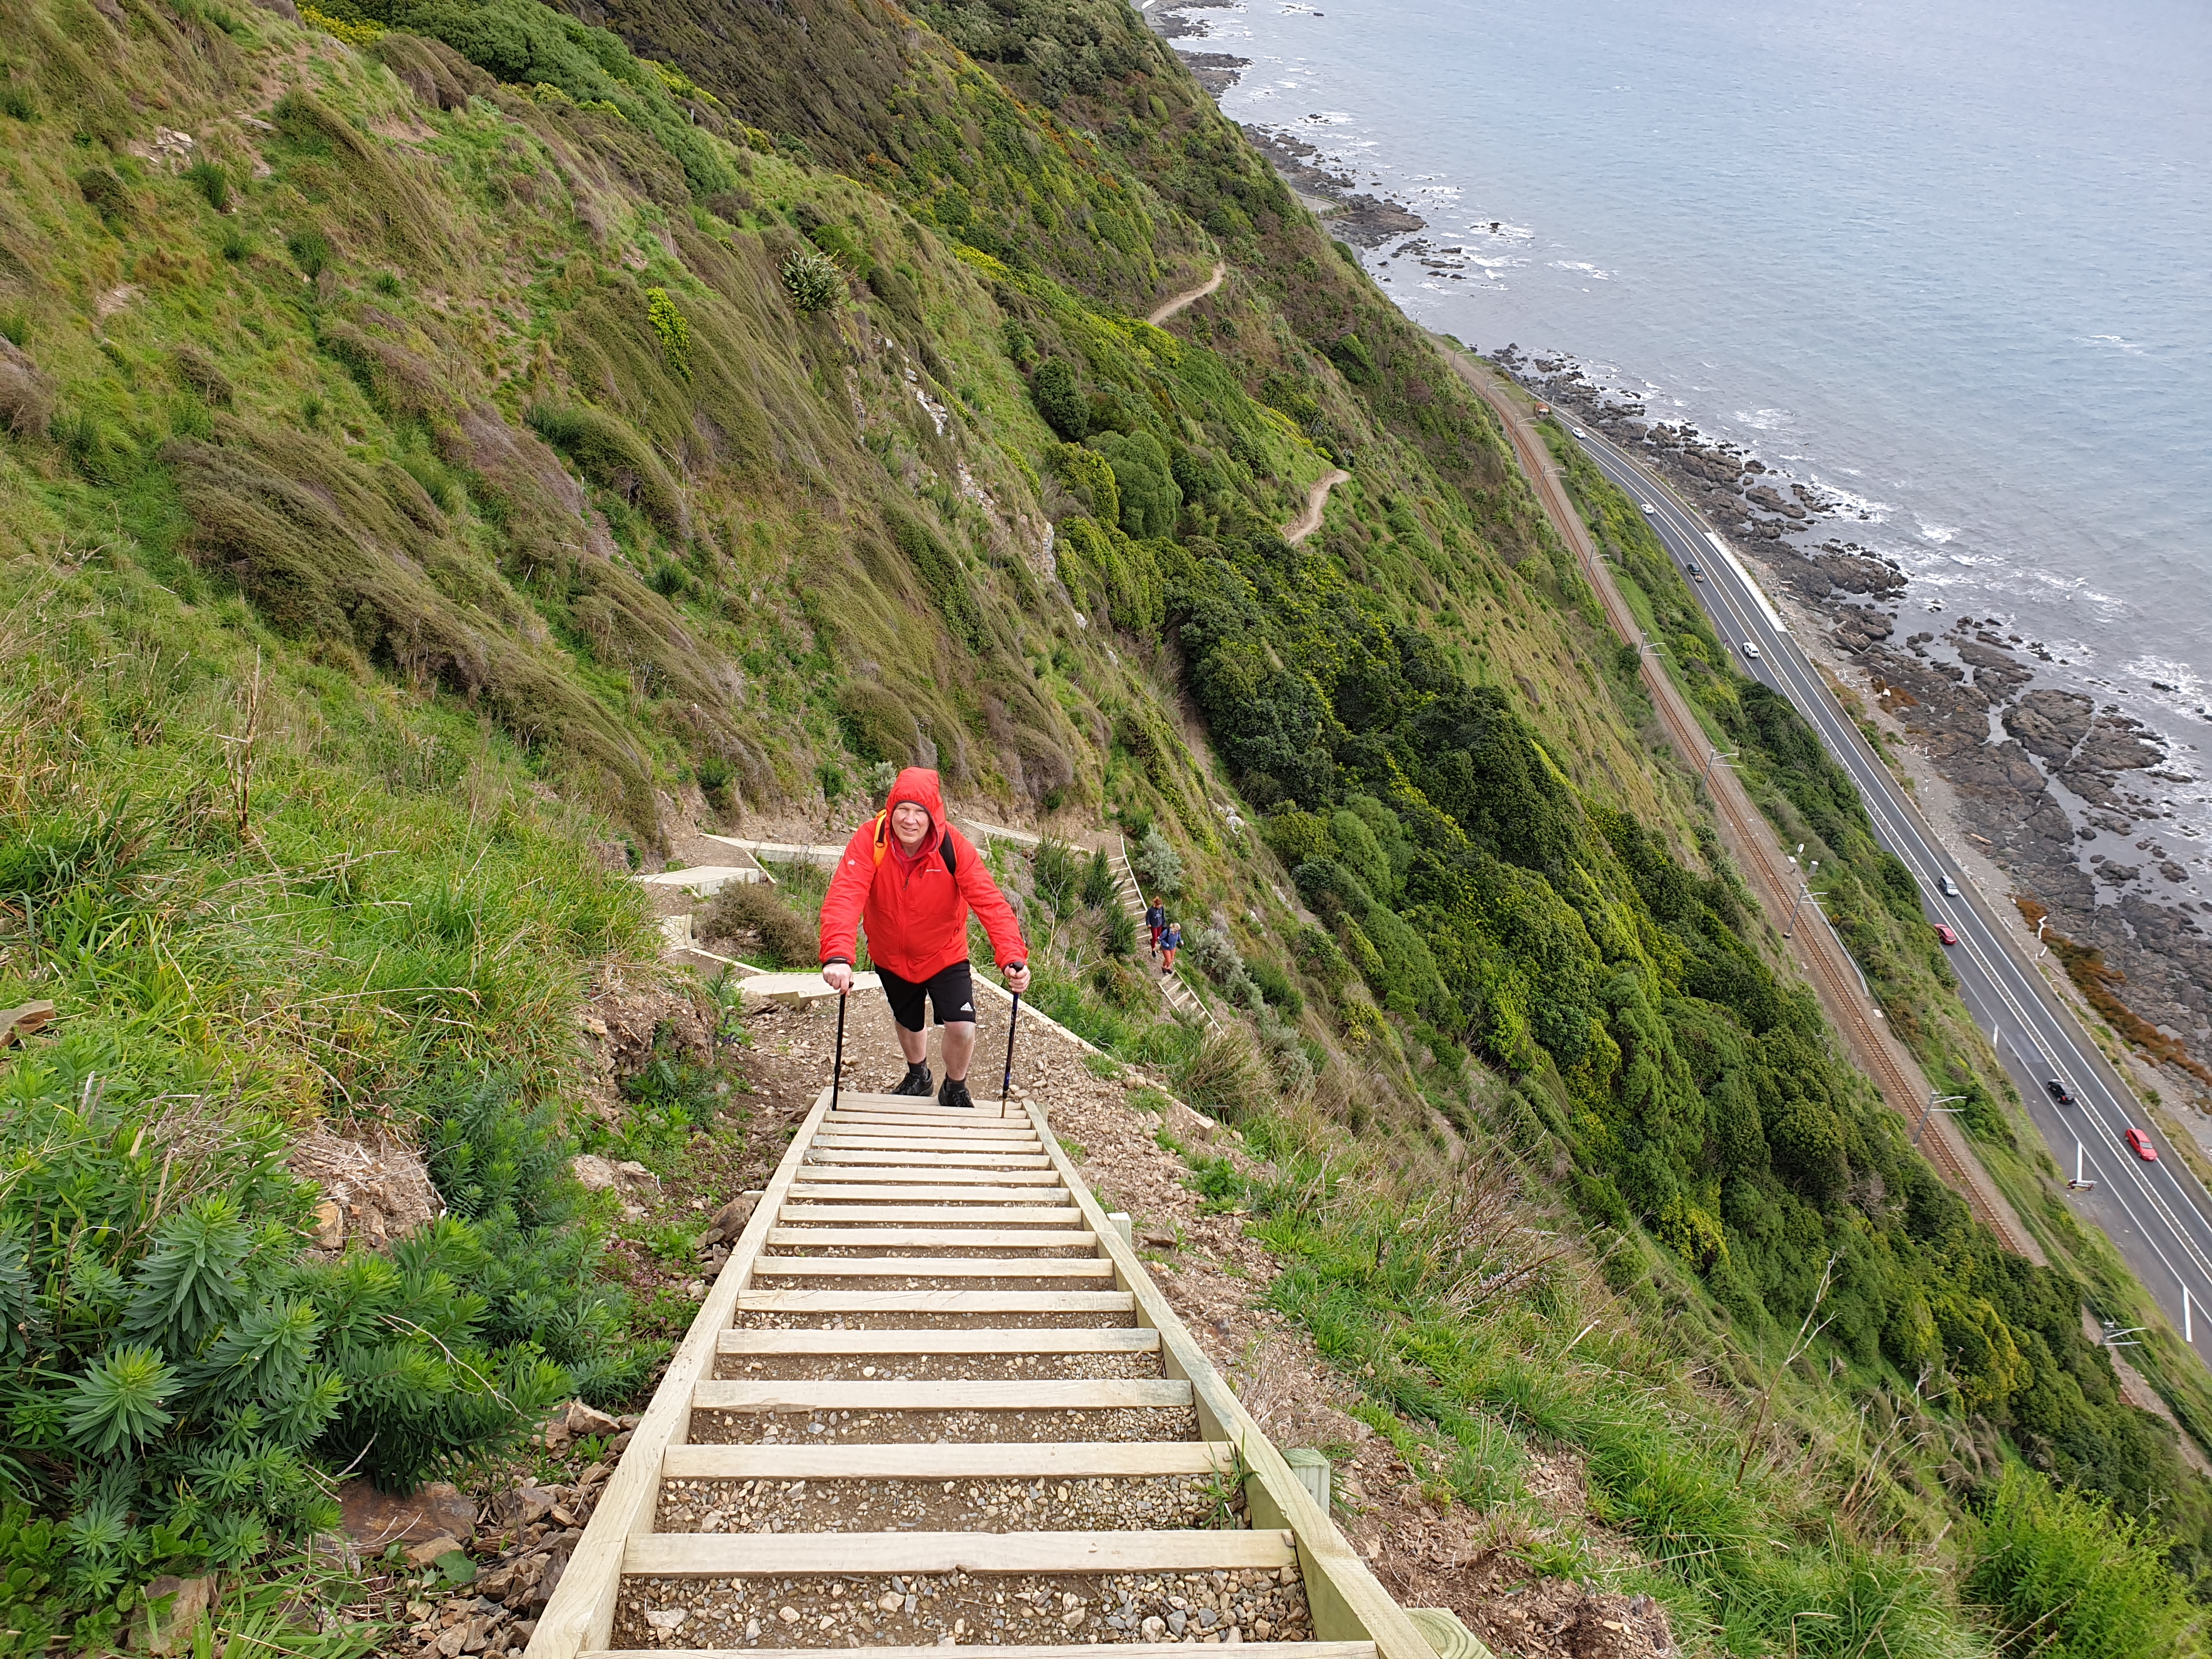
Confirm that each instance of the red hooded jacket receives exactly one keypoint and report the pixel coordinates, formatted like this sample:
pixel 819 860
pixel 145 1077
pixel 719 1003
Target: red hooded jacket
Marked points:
pixel 915 909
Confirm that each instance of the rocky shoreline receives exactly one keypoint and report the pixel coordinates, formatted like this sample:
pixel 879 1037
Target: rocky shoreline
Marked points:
pixel 2069 798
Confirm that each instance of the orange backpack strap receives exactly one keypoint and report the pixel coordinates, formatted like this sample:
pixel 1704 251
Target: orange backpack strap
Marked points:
pixel 882 839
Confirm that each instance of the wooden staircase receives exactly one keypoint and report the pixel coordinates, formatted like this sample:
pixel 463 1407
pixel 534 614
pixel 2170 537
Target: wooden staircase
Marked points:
pixel 1179 997
pixel 934 1399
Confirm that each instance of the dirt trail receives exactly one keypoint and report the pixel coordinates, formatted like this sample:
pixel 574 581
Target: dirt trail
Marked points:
pixel 1220 275
pixel 1316 498
pixel 1752 842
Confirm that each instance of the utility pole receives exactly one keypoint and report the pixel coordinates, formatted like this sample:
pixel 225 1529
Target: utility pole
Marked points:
pixel 2079 1184
pixel 1934 1105
pixel 1720 758
pixel 1804 892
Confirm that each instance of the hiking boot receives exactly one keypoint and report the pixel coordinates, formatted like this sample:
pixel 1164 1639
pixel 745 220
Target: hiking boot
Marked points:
pixel 954 1093
pixel 917 1081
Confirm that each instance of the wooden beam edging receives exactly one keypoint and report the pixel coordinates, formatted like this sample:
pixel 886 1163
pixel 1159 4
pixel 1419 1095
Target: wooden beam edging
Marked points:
pixel 1346 1603
pixel 581 1613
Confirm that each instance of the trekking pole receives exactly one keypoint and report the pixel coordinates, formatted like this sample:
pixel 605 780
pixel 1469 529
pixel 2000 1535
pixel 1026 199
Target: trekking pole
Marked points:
pixel 1007 1083
pixel 838 1066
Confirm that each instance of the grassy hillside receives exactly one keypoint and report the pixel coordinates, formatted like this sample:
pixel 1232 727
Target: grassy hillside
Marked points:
pixel 449 446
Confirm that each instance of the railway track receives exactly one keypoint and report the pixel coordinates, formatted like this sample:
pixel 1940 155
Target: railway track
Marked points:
pixel 935 1400
pixel 1751 839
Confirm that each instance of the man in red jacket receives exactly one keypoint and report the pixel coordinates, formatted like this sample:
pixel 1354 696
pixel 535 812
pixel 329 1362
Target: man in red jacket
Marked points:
pixel 910 878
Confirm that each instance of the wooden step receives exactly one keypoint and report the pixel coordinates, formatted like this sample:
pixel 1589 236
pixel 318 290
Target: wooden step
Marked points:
pixel 908 1123
pixel 803 1193
pixel 852 1100
pixel 978 1158
pixel 948 1174
pixel 935 1301
pixel 804 1554
pixel 981 1238
pixel 1045 1338
pixel 931 1267
pixel 980 1215
pixel 1009 1651
pixel 1068 1459
pixel 1043 1394
pixel 936 1140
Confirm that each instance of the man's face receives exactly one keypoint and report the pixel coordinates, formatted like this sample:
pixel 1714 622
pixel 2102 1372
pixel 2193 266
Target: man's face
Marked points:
pixel 909 823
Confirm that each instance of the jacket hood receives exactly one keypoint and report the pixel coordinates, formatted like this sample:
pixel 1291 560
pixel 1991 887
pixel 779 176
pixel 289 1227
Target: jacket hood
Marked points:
pixel 919 785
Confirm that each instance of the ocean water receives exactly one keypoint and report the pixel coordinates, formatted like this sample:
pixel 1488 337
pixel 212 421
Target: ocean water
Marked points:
pixel 1949 261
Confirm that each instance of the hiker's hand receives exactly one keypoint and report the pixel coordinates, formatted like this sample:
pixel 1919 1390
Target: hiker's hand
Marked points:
pixel 838 976
pixel 1017 977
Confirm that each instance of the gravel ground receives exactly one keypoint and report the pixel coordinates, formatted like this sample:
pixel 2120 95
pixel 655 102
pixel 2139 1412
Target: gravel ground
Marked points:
pixel 715 1428
pixel 961 1609
pixel 1095 1504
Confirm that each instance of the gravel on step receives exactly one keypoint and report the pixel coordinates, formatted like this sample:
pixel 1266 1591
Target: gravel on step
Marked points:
pixel 933 1367
pixel 959 1608
pixel 1088 1504
pixel 720 1428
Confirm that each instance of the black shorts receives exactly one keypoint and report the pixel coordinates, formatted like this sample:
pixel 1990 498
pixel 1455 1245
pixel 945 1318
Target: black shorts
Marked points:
pixel 951 991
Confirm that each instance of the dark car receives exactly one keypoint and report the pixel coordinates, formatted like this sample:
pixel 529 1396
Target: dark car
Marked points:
pixel 2139 1143
pixel 2058 1091
pixel 1946 934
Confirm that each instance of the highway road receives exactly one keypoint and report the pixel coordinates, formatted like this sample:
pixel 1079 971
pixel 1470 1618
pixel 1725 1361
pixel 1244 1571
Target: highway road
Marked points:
pixel 2158 1214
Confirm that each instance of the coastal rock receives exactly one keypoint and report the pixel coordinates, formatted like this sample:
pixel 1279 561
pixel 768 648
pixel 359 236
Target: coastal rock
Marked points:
pixel 2050 723
pixel 1995 669
pixel 2116 743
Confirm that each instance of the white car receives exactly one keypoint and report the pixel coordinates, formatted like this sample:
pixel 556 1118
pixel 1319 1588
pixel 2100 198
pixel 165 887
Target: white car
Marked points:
pixel 1647 507
pixel 1751 650
pixel 1578 432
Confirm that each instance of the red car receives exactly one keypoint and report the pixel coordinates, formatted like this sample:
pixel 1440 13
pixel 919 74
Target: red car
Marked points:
pixel 2139 1143
pixel 1946 934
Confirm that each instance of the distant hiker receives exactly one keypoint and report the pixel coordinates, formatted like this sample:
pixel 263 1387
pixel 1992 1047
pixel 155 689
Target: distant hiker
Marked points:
pixel 1156 918
pixel 910 878
pixel 1171 942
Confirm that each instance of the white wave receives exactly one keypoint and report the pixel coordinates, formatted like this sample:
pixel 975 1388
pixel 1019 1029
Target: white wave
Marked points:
pixel 1584 268
pixel 1866 506
pixel 1760 420
pixel 2112 342
pixel 1327 118
pixel 1938 533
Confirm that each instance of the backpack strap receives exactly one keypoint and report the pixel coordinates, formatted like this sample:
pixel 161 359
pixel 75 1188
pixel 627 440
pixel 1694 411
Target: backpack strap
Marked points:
pixel 883 842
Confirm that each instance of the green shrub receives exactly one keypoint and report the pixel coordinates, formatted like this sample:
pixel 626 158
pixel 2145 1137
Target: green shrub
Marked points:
pixel 1060 401
pixel 211 181
pixel 180 1375
pixel 106 195
pixel 672 1087
pixel 1117 933
pixel 812 280
pixel 1057 873
pixel 1275 985
pixel 1100 890
pixel 755 908
pixel 312 251
pixel 613 455
pixel 15 327
pixel 670 324
pixel 1158 865
pixel 16 103
pixel 2060 1573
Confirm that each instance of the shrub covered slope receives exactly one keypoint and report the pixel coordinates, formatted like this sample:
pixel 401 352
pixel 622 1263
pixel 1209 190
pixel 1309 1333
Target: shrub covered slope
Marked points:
pixel 449 442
